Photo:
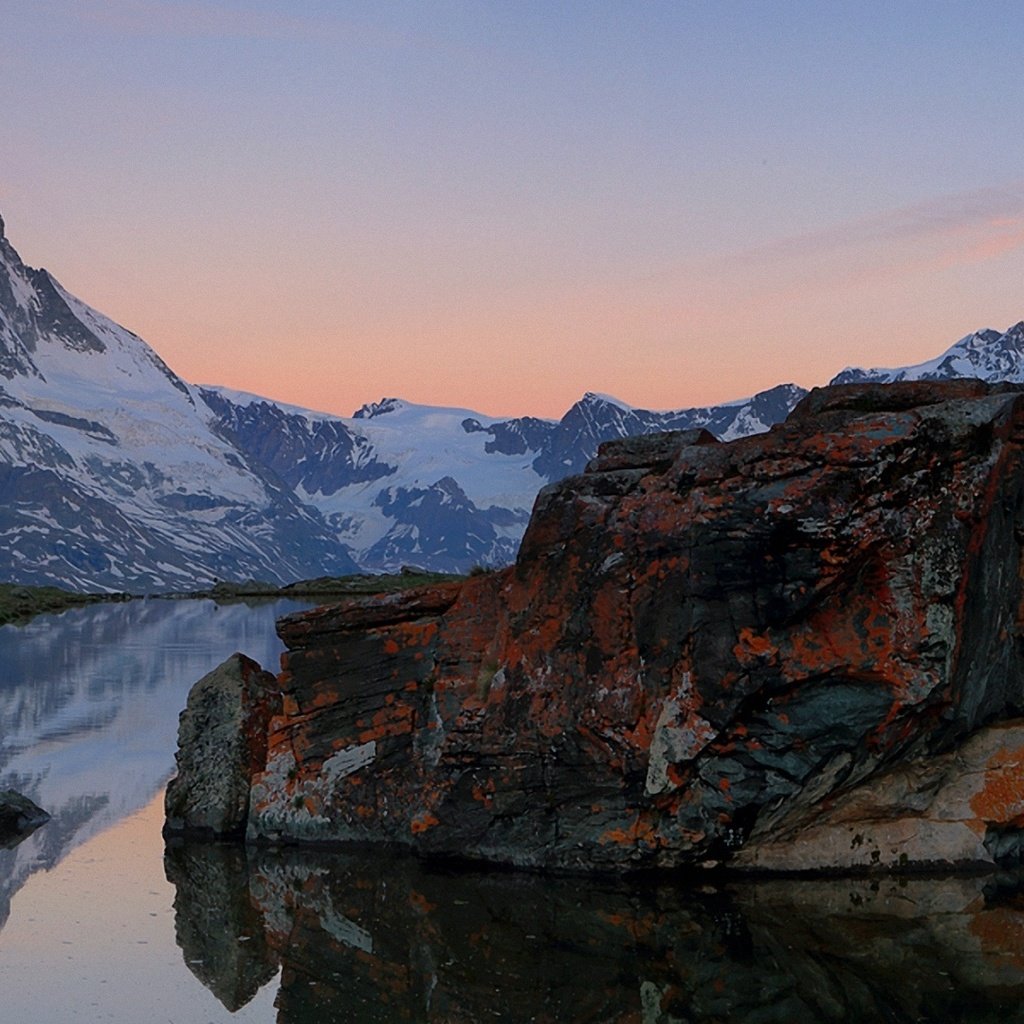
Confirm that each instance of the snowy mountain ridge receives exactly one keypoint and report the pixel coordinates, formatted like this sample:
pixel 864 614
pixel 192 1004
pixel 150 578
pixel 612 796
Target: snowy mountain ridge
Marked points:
pixel 988 354
pixel 113 470
pixel 117 474
pixel 448 488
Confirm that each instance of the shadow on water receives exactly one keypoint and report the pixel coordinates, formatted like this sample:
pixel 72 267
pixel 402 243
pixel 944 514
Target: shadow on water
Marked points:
pixel 382 938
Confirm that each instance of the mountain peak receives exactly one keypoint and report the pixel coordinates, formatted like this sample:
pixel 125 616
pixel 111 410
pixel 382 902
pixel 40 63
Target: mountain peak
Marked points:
pixel 373 409
pixel 1 225
pixel 596 398
pixel 988 354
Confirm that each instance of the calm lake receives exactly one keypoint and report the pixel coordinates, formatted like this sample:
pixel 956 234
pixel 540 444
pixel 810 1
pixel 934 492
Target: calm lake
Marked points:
pixel 99 922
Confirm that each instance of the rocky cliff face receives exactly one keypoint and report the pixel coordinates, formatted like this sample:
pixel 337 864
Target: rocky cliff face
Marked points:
pixel 703 649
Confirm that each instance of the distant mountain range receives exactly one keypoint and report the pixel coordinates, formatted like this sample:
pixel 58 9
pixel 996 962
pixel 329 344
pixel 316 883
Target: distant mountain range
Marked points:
pixel 117 474
pixel 989 355
pixel 445 489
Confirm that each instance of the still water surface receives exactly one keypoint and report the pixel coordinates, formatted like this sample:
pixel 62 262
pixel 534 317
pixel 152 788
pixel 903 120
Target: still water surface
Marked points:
pixel 98 922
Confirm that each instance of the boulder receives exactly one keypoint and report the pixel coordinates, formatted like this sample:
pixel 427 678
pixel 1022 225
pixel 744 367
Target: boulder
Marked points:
pixel 222 743
pixel 19 818
pixel 702 648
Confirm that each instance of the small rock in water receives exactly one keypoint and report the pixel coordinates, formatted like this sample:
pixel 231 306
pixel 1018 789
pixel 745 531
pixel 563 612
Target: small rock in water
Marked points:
pixel 19 818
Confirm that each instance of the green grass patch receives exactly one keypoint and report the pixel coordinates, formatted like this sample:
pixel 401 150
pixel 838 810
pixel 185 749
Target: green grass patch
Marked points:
pixel 19 603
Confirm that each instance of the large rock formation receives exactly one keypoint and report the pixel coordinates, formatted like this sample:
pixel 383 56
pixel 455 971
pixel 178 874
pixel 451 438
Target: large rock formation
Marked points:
pixel 703 650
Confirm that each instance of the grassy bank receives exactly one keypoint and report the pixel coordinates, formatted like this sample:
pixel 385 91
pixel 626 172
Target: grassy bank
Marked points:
pixel 329 586
pixel 19 603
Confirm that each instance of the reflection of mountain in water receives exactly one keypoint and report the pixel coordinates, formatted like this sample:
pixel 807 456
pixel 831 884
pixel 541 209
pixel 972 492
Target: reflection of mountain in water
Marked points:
pixel 89 704
pixel 384 939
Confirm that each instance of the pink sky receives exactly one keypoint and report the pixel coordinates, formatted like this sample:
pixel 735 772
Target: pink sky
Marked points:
pixel 504 206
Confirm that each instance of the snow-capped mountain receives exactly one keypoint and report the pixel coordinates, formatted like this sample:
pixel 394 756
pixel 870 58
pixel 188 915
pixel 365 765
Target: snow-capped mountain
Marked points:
pixel 398 483
pixel 565 447
pixel 117 474
pixel 448 488
pixel 113 472
pixel 989 355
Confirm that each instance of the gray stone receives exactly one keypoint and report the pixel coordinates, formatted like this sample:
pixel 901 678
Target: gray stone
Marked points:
pixel 222 741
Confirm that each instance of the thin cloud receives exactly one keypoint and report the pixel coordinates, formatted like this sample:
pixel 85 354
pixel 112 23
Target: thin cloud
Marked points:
pixel 939 234
pixel 865 261
pixel 1006 236
pixel 985 212
pixel 925 238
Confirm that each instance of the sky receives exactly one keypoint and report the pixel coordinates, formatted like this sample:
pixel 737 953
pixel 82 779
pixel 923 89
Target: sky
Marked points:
pixel 501 205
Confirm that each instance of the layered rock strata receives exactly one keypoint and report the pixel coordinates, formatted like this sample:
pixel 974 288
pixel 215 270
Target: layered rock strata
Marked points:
pixel 703 650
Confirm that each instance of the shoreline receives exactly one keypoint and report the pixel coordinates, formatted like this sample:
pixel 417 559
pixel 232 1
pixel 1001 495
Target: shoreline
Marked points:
pixel 20 603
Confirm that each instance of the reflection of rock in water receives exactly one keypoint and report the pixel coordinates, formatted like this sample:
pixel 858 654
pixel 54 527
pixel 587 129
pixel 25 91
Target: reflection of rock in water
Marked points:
pixel 65 824
pixel 383 939
pixel 17 823
pixel 217 926
pixel 912 949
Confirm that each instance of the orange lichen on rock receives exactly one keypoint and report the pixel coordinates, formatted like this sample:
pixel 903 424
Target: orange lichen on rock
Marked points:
pixel 638 832
pixel 422 822
pixel 1001 800
pixel 751 647
pixel 703 640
